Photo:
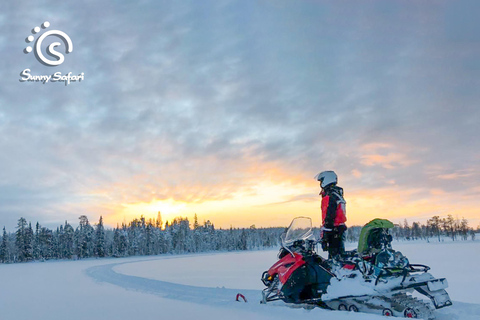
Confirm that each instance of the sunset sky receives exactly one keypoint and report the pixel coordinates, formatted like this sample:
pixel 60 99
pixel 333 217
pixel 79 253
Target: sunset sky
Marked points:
pixel 228 109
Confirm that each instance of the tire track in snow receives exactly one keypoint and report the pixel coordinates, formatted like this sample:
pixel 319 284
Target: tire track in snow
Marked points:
pixel 164 289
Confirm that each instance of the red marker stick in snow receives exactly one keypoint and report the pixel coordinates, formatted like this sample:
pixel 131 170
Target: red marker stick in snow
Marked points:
pixel 239 295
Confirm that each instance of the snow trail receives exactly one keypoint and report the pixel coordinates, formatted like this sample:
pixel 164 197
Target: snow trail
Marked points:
pixel 164 289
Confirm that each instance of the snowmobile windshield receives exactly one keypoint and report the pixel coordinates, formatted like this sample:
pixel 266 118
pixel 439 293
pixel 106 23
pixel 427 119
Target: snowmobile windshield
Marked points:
pixel 300 229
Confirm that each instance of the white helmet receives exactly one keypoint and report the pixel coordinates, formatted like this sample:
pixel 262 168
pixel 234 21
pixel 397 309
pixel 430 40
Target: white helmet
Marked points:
pixel 326 178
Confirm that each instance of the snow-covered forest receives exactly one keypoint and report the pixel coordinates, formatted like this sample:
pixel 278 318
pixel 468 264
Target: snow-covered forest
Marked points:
pixel 152 237
pixel 139 237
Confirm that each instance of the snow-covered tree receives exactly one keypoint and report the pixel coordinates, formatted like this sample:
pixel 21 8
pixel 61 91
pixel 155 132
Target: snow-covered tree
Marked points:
pixel 23 240
pixel 84 235
pixel 100 239
pixel 67 241
pixel 4 252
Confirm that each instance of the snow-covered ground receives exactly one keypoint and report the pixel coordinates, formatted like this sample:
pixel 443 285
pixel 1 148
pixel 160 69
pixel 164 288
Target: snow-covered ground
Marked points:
pixel 201 286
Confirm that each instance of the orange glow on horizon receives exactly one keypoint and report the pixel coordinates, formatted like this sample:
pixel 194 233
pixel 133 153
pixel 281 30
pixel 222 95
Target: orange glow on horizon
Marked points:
pixel 275 205
pixel 270 195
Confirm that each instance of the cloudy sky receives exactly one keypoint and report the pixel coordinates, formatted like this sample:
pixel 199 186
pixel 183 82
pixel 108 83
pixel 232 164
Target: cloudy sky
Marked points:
pixel 228 109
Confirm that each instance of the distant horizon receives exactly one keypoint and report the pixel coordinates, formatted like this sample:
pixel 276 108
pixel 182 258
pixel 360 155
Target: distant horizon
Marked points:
pixel 201 222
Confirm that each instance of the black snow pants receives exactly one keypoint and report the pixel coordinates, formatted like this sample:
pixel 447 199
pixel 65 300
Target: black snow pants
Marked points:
pixel 335 241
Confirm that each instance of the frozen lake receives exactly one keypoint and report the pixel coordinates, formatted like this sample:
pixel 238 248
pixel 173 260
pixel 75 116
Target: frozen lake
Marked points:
pixel 201 286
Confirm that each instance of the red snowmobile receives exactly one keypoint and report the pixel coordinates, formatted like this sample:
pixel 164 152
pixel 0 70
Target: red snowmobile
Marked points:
pixel 373 279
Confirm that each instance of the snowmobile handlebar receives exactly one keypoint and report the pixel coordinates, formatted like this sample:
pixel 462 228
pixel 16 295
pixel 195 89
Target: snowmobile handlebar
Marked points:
pixel 308 245
pixel 299 246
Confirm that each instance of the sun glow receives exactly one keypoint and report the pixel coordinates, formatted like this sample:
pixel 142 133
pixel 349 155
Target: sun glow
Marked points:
pixel 265 205
pixel 169 209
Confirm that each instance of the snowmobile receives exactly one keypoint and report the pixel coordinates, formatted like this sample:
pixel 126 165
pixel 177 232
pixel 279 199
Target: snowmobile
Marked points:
pixel 374 278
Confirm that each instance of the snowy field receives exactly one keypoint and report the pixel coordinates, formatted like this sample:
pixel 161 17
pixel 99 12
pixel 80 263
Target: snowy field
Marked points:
pixel 201 286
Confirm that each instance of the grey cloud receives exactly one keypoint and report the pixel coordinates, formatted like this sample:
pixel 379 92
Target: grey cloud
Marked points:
pixel 190 94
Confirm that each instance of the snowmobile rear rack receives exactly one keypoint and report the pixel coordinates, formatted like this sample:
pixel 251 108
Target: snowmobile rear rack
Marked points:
pixel 411 268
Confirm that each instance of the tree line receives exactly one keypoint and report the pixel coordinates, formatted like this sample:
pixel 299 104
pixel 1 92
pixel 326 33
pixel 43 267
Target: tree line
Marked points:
pixel 436 228
pixel 139 237
pixel 151 237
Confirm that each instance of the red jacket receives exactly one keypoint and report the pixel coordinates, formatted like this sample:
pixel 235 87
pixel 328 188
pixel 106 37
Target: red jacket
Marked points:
pixel 333 207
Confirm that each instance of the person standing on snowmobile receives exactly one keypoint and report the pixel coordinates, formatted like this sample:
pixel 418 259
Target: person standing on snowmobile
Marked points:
pixel 334 214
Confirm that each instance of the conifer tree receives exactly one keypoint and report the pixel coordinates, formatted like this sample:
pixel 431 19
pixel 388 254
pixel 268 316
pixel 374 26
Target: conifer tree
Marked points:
pixel 82 236
pixel 195 222
pixel 46 243
pixel 100 239
pixel 68 241
pixel 28 242
pixel 159 222
pixel 4 254
pixel 36 242
pixel 406 229
pixel 123 242
pixel 23 240
pixel 116 242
